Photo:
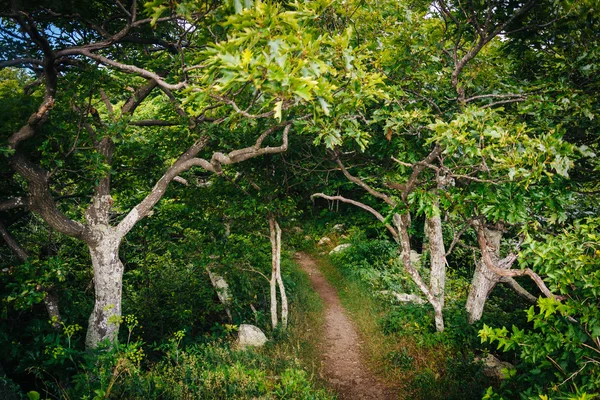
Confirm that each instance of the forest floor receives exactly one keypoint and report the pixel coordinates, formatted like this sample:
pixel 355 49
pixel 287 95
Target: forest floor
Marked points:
pixel 343 366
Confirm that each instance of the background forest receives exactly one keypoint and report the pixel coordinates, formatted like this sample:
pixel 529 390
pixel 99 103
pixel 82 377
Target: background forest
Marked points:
pixel 149 148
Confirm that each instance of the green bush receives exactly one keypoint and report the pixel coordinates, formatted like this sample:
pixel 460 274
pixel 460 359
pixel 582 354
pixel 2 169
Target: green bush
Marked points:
pixel 560 347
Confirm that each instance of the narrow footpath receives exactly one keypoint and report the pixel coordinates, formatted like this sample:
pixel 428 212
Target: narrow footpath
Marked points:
pixel 342 363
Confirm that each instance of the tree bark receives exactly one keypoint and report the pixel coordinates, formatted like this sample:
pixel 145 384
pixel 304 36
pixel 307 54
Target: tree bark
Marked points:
pixel 108 285
pixel 492 270
pixel 276 276
pixel 282 294
pixel 404 297
pixel 51 303
pixel 220 285
pixel 402 222
pixel 437 257
pixel 274 268
pixel 484 281
pixel 273 283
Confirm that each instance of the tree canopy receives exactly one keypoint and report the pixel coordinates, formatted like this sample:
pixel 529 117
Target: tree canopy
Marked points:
pixel 149 148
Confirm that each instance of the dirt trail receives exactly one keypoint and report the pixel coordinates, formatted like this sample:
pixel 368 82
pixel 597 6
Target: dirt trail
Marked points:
pixel 343 365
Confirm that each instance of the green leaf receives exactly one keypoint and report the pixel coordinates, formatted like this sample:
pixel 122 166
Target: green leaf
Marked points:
pixel 33 395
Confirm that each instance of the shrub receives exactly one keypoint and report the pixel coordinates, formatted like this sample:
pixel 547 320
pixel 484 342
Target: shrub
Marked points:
pixel 560 348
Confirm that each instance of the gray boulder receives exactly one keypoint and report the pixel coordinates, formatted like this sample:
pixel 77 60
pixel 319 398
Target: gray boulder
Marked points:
pixel 250 335
pixel 493 367
pixel 339 228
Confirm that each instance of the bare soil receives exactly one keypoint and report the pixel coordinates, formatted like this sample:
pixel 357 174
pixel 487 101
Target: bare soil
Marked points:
pixel 340 346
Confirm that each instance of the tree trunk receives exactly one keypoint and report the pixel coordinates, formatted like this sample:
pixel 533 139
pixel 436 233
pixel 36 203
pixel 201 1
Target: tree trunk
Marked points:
pixel 222 288
pixel 273 283
pixel 438 316
pixel 276 276
pixel 437 257
pixel 282 294
pixel 484 280
pixel 108 283
pixel 274 269
pixel 482 285
pixel 402 222
pixel 51 303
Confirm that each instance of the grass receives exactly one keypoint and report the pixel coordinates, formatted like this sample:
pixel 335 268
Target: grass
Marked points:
pixel 419 367
pixel 306 324
pixel 287 367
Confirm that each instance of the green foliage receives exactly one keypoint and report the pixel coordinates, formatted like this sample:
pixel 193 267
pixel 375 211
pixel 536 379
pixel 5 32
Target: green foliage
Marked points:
pixel 559 349
pixel 374 83
pixel 218 371
pixel 180 366
pixel 433 365
pixel 463 379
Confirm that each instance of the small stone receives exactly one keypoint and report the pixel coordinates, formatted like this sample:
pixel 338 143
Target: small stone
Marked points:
pixel 340 248
pixel 339 228
pixel 324 241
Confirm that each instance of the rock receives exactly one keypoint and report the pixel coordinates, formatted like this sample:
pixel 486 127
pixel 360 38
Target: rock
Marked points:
pixel 339 228
pixel 339 248
pixel 250 335
pixel 324 241
pixel 493 367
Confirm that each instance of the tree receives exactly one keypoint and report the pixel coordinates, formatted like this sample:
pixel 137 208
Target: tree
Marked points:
pixel 228 84
pixel 562 343
pixel 449 142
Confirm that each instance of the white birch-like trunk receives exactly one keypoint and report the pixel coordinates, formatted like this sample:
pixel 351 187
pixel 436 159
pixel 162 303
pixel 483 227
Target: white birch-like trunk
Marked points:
pixel 402 222
pixel 222 289
pixel 282 294
pixel 273 283
pixel 276 280
pixel 108 284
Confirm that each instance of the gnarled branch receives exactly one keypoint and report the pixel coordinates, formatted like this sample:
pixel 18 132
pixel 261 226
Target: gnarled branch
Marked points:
pixel 364 185
pixel 507 262
pixel 360 205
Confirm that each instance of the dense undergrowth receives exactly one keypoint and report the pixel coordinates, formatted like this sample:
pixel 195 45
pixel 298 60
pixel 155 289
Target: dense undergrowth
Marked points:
pixel 183 367
pixel 402 344
pixel 551 345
